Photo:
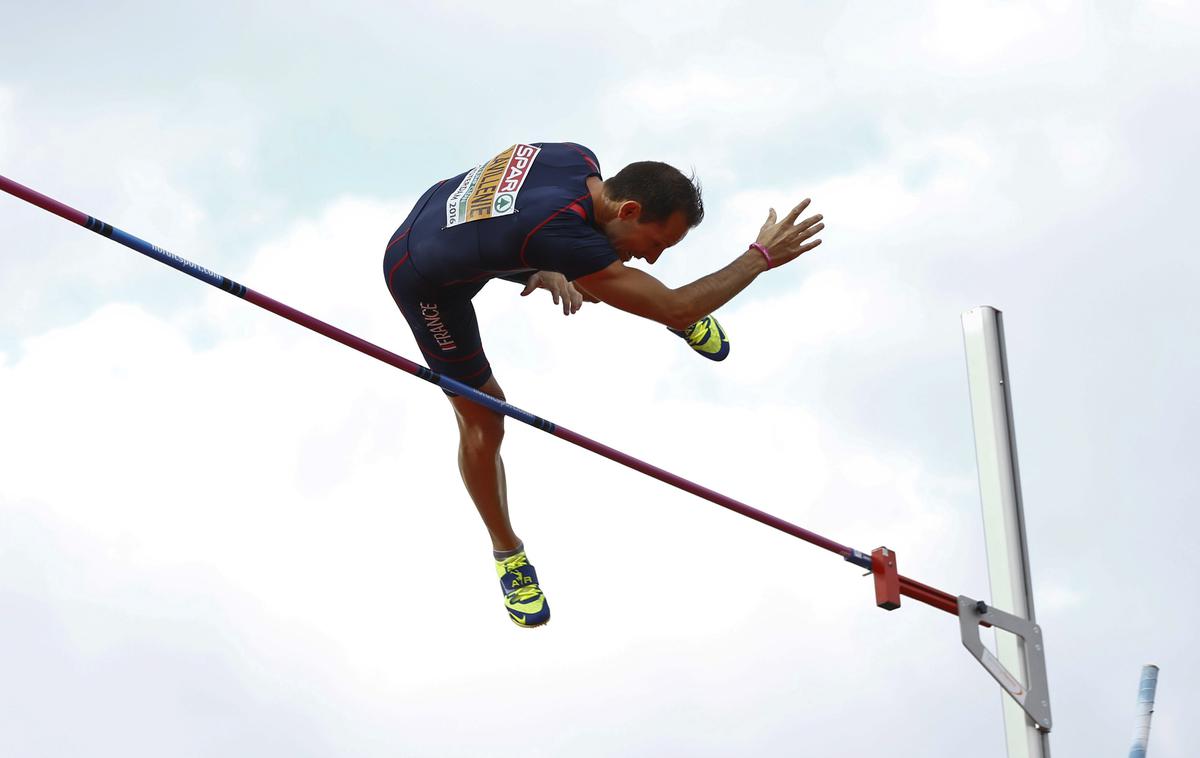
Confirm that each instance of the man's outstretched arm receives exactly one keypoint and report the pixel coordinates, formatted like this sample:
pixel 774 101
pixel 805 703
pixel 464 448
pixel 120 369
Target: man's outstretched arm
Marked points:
pixel 637 292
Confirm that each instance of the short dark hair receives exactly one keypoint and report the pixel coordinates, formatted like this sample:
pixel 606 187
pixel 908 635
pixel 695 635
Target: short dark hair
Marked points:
pixel 661 189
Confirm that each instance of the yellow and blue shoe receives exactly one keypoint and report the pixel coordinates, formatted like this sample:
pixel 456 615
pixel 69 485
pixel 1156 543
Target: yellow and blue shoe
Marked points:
pixel 707 338
pixel 523 597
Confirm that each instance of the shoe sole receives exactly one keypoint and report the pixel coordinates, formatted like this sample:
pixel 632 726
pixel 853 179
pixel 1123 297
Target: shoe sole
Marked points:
pixel 530 626
pixel 527 626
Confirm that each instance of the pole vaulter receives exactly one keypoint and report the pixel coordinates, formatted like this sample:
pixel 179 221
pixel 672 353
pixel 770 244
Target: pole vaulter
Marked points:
pixel 1032 695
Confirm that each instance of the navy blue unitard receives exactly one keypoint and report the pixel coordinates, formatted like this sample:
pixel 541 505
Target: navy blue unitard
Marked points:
pixel 527 209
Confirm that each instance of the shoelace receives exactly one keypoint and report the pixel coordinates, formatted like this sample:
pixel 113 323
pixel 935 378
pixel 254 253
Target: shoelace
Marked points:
pixel 527 593
pixel 524 593
pixel 515 562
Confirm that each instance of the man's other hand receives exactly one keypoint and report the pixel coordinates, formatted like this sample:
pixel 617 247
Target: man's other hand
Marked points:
pixel 560 289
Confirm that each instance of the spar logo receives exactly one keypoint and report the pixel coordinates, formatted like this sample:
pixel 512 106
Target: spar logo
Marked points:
pixel 518 168
pixel 513 177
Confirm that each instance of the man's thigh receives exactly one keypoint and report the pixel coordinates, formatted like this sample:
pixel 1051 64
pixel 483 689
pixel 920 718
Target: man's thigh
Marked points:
pixel 443 321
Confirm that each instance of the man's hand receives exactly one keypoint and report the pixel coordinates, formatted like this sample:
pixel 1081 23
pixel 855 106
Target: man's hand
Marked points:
pixel 560 289
pixel 787 240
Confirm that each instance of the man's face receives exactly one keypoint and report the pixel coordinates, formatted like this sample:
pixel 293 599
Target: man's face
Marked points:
pixel 633 239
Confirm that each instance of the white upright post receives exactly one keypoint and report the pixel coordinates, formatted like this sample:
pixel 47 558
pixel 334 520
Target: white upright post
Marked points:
pixel 1141 731
pixel 1003 514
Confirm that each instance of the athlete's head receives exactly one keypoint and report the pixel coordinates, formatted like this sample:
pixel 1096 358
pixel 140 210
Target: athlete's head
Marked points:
pixel 652 207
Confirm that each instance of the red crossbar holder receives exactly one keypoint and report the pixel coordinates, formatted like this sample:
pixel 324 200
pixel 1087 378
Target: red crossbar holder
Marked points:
pixel 887 578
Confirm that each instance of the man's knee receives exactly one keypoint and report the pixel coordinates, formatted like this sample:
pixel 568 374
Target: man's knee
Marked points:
pixel 481 431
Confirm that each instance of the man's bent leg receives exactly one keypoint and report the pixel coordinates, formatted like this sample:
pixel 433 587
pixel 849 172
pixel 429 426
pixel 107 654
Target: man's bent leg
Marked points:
pixel 480 432
pixel 445 327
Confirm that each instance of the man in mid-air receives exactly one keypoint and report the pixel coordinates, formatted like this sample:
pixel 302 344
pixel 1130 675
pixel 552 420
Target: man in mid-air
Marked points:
pixel 541 214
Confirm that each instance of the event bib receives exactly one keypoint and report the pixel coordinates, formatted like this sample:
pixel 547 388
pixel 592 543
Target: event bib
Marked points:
pixel 490 190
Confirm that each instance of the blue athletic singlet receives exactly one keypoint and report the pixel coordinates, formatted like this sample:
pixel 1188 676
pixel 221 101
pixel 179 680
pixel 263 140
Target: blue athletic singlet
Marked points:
pixel 527 209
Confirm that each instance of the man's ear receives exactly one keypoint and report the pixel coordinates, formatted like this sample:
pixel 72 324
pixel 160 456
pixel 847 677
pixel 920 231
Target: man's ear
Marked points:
pixel 630 210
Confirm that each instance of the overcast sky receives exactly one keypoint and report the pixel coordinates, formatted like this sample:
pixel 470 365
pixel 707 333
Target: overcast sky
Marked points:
pixel 221 534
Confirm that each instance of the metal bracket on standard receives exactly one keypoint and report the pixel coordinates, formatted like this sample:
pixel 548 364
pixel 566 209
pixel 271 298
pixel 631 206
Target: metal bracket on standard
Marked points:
pixel 887 578
pixel 1033 697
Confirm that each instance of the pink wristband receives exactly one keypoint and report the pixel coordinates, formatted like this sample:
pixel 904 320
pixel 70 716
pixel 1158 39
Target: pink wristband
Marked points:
pixel 766 253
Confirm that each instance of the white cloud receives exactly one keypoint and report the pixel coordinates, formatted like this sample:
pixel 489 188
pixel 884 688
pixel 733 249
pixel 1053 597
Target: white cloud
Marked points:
pixel 1057 598
pixel 986 35
pixel 705 98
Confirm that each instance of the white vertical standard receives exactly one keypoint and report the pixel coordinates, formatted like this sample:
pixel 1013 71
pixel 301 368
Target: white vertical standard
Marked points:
pixel 1003 514
pixel 1141 730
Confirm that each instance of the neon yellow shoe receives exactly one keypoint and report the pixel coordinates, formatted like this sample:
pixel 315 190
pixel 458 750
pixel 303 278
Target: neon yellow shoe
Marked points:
pixel 523 597
pixel 707 338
